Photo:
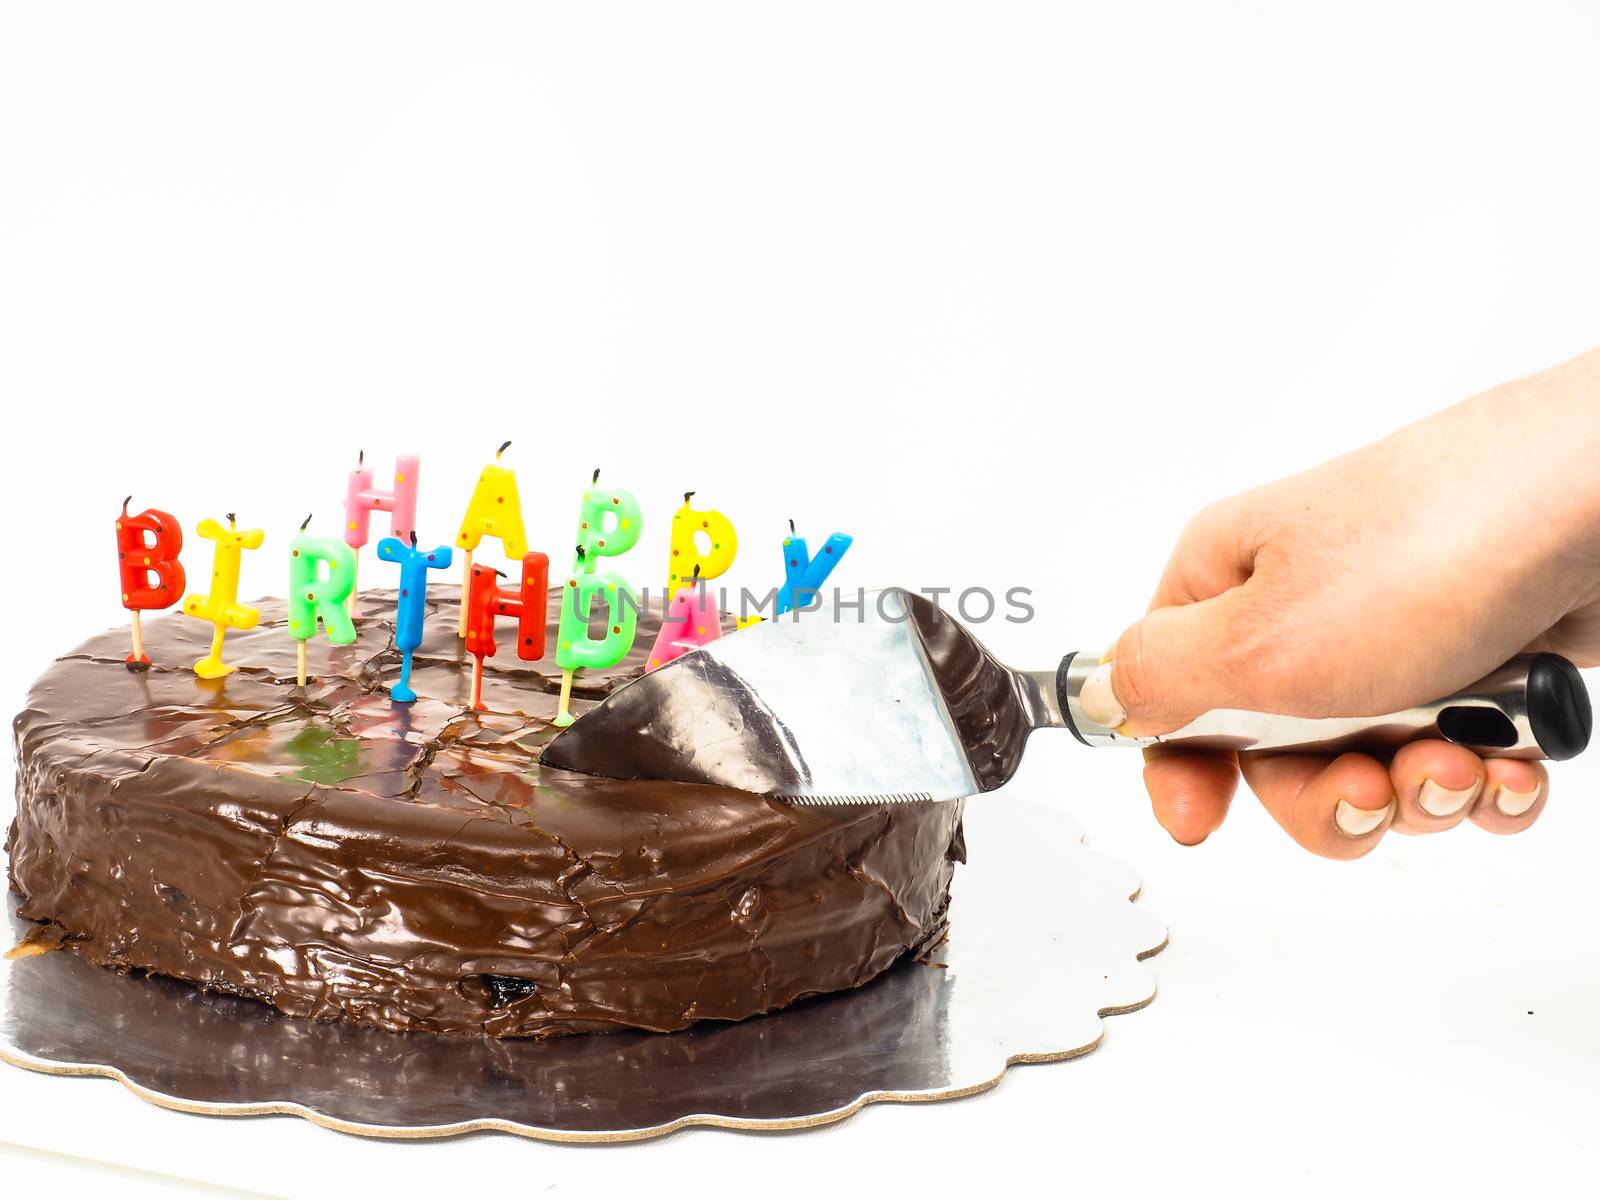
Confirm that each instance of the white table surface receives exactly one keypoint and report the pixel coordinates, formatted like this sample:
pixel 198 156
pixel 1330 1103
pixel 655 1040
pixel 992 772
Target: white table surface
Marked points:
pixel 1005 291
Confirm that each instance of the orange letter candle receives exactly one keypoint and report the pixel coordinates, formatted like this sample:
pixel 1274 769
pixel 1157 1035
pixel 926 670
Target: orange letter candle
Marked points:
pixel 148 546
pixel 489 600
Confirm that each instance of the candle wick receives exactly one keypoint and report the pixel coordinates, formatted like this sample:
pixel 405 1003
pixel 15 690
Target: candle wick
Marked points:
pixel 125 504
pixel 501 451
pixel 413 539
pixel 499 572
pixel 232 520
pixel 361 457
pixel 686 496
pixel 304 523
pixel 791 526
pixel 697 570
pixel 595 478
pixel 580 553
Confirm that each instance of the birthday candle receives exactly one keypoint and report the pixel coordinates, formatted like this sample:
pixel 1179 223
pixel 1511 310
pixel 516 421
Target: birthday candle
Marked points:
pixel 692 620
pixel 609 523
pixel 311 596
pixel 399 501
pixel 495 511
pixel 148 546
pixel 413 608
pixel 221 604
pixel 803 575
pixel 688 562
pixel 527 604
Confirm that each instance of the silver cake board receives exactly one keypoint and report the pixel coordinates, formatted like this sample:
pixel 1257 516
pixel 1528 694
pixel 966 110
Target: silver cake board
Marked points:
pixel 1044 943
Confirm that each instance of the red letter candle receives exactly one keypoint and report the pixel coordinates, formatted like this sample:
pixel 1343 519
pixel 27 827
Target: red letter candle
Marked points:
pixel 148 546
pixel 487 600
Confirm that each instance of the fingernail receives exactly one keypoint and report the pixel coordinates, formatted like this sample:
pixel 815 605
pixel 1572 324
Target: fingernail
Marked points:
pixel 1358 822
pixel 1439 801
pixel 1514 803
pixel 1098 701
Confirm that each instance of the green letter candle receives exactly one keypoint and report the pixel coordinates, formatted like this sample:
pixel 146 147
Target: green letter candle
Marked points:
pixel 609 523
pixel 312 596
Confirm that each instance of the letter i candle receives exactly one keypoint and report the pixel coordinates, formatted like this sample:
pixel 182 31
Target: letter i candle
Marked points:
pixel 221 604
pixel 609 523
pixel 311 596
pixel 495 510
pixel 361 497
pixel 413 609
pixel 148 546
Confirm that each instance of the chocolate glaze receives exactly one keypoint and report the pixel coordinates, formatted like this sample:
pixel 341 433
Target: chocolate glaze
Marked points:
pixel 980 693
pixel 636 737
pixel 413 867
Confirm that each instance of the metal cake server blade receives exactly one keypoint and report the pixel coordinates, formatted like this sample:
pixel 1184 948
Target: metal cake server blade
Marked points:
pixel 894 700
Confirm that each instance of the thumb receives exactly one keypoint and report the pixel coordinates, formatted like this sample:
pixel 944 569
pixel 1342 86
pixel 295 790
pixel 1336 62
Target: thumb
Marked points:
pixel 1171 666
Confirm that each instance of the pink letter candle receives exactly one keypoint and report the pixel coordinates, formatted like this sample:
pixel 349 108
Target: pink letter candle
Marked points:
pixel 399 501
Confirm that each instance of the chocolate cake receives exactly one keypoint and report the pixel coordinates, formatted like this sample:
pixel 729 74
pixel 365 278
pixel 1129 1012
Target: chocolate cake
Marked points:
pixel 413 867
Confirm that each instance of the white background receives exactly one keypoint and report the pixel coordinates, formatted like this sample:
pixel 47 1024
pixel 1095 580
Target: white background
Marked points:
pixel 1004 290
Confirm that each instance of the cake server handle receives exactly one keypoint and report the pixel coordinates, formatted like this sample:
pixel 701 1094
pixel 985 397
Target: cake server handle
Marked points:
pixel 1534 707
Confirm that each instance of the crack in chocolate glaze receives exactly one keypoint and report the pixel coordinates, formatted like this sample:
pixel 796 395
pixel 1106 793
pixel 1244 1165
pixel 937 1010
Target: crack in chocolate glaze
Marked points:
pixel 415 867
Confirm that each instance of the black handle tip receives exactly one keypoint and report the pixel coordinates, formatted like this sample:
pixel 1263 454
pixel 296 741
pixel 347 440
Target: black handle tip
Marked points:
pixel 1559 711
pixel 1061 696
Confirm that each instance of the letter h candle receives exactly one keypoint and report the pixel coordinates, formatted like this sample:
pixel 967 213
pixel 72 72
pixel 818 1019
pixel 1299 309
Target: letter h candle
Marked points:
pixel 361 497
pixel 487 600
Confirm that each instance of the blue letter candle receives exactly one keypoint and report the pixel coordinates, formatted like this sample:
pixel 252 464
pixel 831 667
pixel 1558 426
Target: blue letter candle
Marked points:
pixel 803 574
pixel 414 567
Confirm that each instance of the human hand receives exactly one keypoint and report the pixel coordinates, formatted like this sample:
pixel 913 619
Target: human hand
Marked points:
pixel 1374 582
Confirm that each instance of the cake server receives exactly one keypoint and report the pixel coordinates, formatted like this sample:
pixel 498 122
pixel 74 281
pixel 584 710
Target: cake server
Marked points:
pixel 894 700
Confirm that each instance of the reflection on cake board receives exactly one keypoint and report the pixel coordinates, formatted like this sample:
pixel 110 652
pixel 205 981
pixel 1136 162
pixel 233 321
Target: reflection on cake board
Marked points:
pixel 1044 943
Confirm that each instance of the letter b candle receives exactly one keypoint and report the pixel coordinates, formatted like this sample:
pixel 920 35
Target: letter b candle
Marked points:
pixel 148 546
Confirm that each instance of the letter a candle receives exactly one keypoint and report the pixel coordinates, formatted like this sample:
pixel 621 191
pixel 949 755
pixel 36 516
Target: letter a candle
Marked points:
pixel 414 567
pixel 148 546
pixel 221 604
pixel 312 596
pixel 691 621
pixel 361 497
pixel 609 523
pixel 494 511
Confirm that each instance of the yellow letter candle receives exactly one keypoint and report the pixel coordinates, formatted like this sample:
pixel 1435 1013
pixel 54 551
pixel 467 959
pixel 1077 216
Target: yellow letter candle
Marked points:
pixel 311 595
pixel 221 604
pixel 693 528
pixel 609 523
pixel 495 511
